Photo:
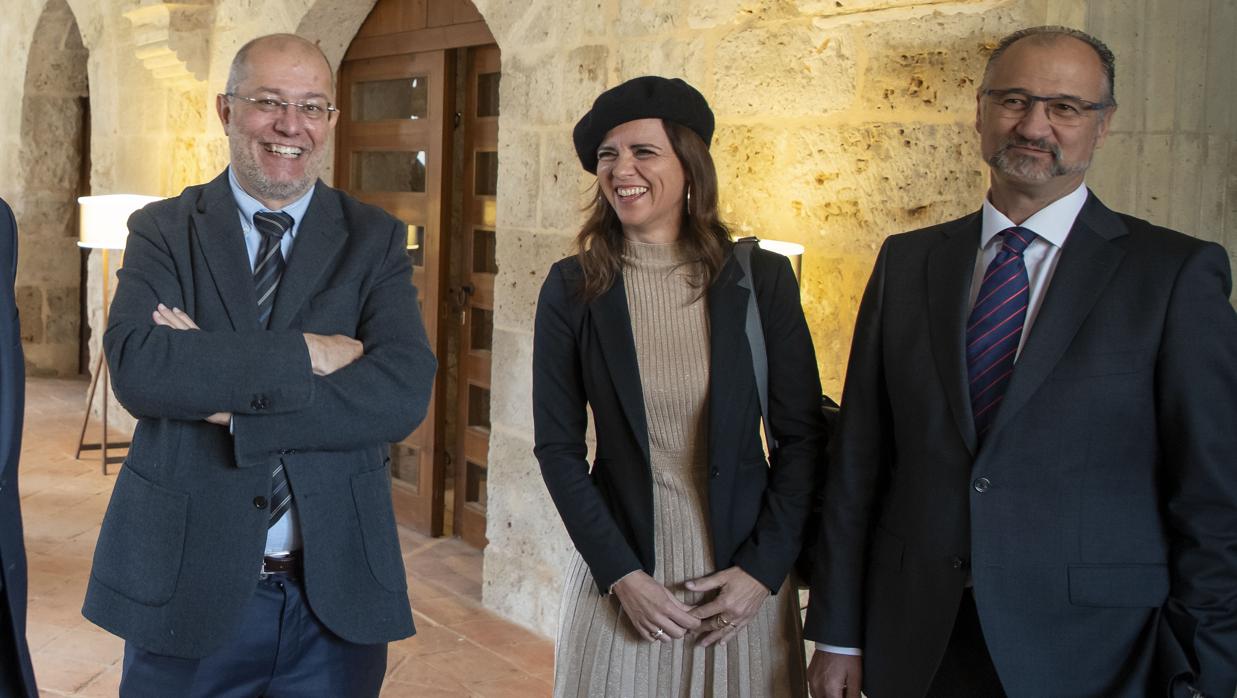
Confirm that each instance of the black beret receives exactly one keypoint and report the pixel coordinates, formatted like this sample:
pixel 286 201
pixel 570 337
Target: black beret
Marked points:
pixel 648 97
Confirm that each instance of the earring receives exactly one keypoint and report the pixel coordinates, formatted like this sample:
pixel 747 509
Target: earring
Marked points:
pixel 689 200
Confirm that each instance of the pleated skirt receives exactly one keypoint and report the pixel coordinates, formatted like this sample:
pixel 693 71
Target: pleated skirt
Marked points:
pixel 599 652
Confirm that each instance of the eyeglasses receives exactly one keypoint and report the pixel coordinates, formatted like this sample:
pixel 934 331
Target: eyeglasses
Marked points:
pixel 1065 111
pixel 312 110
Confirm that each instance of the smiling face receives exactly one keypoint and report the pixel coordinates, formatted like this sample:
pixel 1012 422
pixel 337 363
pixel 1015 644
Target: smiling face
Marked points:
pixel 1027 151
pixel 277 156
pixel 641 177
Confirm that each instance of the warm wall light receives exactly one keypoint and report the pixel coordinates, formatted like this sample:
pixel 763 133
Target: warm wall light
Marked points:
pixel 104 226
pixel 792 250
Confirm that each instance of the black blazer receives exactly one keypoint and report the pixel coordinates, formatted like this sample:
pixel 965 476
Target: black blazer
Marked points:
pixel 12 402
pixel 1098 519
pixel 584 354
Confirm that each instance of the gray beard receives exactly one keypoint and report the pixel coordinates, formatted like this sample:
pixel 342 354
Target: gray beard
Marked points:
pixel 1029 169
pixel 266 188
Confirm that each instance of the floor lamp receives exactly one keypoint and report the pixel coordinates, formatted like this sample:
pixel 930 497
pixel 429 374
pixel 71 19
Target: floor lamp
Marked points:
pixel 104 226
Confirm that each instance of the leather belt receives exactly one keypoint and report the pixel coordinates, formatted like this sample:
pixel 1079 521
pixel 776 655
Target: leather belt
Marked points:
pixel 288 565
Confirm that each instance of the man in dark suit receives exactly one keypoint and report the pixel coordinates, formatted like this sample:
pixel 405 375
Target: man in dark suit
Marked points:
pixel 1032 490
pixel 16 674
pixel 266 334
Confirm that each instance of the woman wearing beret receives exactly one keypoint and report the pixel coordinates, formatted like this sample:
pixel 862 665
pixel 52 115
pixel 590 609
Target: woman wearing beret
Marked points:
pixel 685 534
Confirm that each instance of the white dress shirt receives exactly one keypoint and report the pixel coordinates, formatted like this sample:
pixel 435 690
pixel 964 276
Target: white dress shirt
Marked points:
pixel 1051 225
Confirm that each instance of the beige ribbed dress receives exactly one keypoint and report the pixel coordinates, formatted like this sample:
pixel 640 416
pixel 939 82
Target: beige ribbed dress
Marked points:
pixel 599 652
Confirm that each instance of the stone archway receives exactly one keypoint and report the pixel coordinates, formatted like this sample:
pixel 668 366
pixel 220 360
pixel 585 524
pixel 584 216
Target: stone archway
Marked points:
pixel 54 159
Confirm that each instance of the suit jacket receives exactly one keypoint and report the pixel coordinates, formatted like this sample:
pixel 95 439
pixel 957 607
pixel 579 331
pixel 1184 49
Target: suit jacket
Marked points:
pixel 584 354
pixel 183 538
pixel 12 405
pixel 1098 519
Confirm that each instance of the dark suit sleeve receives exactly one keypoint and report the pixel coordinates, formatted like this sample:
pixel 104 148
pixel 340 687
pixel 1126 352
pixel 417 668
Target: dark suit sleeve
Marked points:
pixel 858 454
pixel 379 398
pixel 559 423
pixel 165 373
pixel 795 418
pixel 1196 388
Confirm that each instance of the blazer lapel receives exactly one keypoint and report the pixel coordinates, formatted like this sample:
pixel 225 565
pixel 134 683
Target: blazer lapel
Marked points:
pixel 618 347
pixel 727 310
pixel 1087 263
pixel 319 237
pixel 951 266
pixel 215 228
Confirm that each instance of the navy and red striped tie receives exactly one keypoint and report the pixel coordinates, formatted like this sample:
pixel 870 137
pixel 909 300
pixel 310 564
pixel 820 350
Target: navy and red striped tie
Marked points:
pixel 268 269
pixel 995 327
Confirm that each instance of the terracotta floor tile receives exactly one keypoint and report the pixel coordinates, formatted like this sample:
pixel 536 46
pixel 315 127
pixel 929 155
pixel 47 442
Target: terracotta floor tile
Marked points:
pixel 535 658
pixel 492 631
pixel 519 687
pixel 430 639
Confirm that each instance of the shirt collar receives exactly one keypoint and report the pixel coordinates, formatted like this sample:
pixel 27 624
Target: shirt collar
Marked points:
pixel 249 205
pixel 1052 222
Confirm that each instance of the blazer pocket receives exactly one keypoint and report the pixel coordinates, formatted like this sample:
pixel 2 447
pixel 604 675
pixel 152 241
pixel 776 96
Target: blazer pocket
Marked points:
pixel 371 492
pixel 142 540
pixel 887 549
pixel 1118 586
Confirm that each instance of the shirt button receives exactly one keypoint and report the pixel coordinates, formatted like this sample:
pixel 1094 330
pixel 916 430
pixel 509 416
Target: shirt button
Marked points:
pixel 259 502
pixel 982 485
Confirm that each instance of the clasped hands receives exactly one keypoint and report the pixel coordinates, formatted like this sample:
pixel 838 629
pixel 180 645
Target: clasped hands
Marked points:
pixel 327 354
pixel 657 614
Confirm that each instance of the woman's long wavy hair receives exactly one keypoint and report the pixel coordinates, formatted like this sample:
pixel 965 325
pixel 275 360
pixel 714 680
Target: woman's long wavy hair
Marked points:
pixel 706 238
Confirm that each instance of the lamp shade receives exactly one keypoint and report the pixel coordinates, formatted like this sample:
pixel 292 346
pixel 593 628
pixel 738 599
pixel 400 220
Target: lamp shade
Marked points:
pixel 104 219
pixel 792 250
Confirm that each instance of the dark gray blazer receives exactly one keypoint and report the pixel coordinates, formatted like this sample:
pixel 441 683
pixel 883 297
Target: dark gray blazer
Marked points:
pixel 1099 517
pixel 12 403
pixel 182 542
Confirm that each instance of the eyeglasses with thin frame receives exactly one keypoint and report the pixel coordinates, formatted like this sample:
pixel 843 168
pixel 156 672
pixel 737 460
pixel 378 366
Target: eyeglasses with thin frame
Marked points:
pixel 312 109
pixel 1065 111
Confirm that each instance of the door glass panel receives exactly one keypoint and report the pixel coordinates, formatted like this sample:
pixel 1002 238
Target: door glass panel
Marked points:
pixel 416 245
pixel 487 174
pixel 401 98
pixel 406 464
pixel 487 94
pixel 478 407
pixel 482 329
pixel 389 171
pixel 483 252
pixel 475 492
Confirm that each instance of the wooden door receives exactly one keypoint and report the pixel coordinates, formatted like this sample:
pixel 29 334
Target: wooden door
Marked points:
pixel 393 137
pixel 475 294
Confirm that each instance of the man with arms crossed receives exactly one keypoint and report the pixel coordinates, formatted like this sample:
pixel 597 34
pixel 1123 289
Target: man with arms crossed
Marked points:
pixel 265 332
pixel 1033 489
pixel 16 674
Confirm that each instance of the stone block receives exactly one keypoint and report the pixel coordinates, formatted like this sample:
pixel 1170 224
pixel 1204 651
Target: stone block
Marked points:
pixel 646 17
pixel 519 157
pixel 565 187
pixel 679 57
pixel 63 316
pixel 511 381
pixel 529 95
pixel 524 260
pixel 832 286
pixel 583 78
pixel 30 309
pixel 522 590
pixel 783 70
pixel 932 63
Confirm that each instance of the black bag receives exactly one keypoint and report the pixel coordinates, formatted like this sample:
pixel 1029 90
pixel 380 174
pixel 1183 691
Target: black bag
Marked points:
pixel 829 408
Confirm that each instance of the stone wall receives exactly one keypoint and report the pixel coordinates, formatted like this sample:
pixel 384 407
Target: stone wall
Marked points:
pixel 839 122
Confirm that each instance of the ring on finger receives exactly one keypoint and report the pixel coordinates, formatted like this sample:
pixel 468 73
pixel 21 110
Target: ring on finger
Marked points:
pixel 658 635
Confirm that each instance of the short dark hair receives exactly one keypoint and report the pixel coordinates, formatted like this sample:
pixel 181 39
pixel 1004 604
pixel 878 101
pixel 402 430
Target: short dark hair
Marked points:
pixel 1107 60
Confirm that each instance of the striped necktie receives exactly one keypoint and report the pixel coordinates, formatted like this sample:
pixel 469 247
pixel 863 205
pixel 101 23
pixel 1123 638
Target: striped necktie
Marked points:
pixel 267 271
pixel 268 268
pixel 994 329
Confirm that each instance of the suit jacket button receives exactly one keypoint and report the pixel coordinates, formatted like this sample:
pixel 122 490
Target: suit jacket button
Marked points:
pixel 259 502
pixel 255 404
pixel 957 562
pixel 982 484
pixel 716 473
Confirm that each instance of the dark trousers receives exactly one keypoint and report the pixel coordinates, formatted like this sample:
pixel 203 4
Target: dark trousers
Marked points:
pixel 10 668
pixel 279 649
pixel 966 671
